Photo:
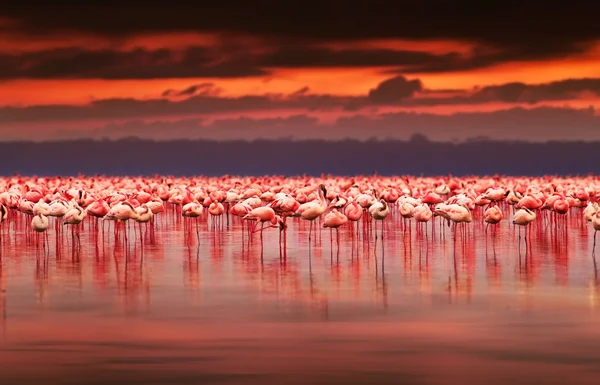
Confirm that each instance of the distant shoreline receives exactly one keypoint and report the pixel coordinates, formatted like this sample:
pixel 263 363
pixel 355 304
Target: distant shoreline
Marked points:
pixel 419 156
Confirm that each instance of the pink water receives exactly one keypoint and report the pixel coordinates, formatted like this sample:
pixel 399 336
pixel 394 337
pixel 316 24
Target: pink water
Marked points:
pixel 416 309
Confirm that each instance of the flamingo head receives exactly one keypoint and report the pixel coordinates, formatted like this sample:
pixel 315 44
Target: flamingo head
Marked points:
pixel 278 221
pixel 323 189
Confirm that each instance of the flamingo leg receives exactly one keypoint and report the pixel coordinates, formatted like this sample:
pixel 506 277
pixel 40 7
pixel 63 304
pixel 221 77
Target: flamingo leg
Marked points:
pixel 261 234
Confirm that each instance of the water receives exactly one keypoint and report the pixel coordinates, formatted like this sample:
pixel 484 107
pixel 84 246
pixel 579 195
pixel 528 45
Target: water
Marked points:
pixel 209 309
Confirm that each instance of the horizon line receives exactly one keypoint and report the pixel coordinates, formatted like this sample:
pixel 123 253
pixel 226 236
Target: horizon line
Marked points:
pixel 414 138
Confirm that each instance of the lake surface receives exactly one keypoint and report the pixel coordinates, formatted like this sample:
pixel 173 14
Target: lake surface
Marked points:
pixel 209 308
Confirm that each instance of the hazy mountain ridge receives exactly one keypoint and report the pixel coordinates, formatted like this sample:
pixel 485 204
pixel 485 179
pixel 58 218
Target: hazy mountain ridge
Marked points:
pixel 418 156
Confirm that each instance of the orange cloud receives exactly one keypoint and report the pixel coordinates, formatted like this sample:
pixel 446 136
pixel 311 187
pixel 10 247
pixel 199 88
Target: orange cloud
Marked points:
pixel 334 81
pixel 439 47
pixel 587 65
pixel 13 43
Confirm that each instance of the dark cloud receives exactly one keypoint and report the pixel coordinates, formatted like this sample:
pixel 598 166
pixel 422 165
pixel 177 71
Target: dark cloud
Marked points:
pixel 506 23
pixel 130 108
pixel 525 93
pixel 394 89
pixel 74 63
pixel 203 89
pixel 230 58
pixel 537 124
pixel 302 56
pixel 302 91
pixel 241 61
pixel 568 89
pixel 216 62
pixel 487 57
pixel 306 56
pixel 226 62
pixel 507 31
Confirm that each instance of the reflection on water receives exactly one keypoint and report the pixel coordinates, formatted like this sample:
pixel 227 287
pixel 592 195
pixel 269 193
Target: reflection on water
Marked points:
pixel 425 306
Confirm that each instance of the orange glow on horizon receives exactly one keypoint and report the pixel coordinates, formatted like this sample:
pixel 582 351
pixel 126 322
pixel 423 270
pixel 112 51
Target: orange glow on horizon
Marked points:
pixel 334 81
pixel 347 83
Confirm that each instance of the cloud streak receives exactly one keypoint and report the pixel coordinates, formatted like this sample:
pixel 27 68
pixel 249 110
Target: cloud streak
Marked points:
pixel 204 89
pixel 398 92
pixel 246 61
pixel 78 63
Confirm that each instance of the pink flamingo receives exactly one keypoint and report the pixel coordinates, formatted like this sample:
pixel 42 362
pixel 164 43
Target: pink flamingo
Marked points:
pixel 216 210
pixel 596 226
pixel 493 215
pixel 333 220
pixel 313 209
pixel 523 217
pixel 354 212
pixel 74 217
pixel 379 211
pixel 262 215
pixel 40 224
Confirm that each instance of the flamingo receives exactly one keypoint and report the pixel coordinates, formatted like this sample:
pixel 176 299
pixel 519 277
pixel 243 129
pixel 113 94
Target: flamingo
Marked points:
pixel 41 207
pixel 216 210
pixel 193 210
pixel 58 208
pixel 74 217
pixel 313 210
pixel 354 212
pixel 262 215
pixel 523 217
pixel 121 213
pixel 156 205
pixel 596 226
pixel 99 208
pixel 379 211
pixel 495 194
pixel 422 214
pixel 39 223
pixel 590 210
pixel 455 212
pixel 338 202
pixel 143 214
pixel 493 215
pixel 3 213
pixel 285 206
pixel 333 220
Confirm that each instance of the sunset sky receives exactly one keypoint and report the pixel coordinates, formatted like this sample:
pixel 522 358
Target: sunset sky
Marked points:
pixel 514 70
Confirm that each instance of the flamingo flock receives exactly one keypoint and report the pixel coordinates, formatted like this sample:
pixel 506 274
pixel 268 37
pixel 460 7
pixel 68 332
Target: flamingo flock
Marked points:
pixel 327 202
